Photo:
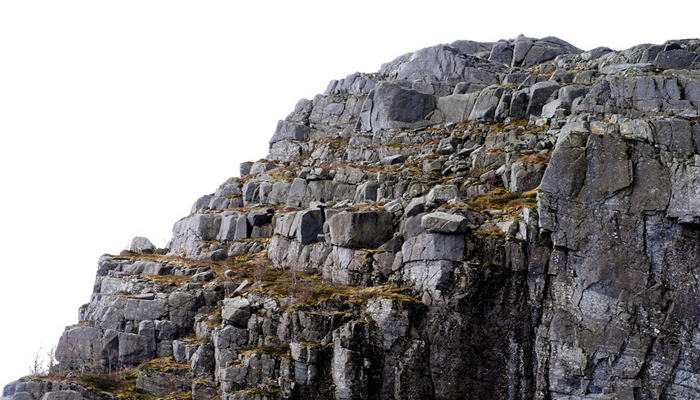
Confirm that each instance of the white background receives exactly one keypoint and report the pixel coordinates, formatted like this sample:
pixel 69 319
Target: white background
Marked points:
pixel 115 116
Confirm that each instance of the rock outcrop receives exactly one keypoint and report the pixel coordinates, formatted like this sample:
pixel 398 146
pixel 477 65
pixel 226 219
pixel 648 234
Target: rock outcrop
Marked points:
pixel 508 220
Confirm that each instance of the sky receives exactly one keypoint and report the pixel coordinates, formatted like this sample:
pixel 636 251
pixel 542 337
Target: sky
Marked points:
pixel 115 116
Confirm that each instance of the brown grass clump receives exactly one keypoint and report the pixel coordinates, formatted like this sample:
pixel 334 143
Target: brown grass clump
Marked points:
pixel 536 158
pixel 166 364
pixel 491 233
pixel 509 202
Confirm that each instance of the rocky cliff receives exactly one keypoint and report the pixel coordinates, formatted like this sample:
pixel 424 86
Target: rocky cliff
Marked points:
pixel 507 220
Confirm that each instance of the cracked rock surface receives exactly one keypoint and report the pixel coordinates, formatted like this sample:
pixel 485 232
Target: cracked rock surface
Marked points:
pixel 508 220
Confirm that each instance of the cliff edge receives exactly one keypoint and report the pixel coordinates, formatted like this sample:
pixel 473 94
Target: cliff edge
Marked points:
pixel 509 220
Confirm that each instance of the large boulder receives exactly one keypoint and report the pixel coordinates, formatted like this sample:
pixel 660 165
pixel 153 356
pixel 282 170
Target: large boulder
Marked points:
pixel 62 395
pixel 366 229
pixel 442 222
pixel 141 244
pixel 457 107
pixel 443 64
pixel 539 95
pixel 485 105
pixel 395 107
pixel 289 131
pixel 547 49
pixel 161 384
pixel 525 176
pixel 307 225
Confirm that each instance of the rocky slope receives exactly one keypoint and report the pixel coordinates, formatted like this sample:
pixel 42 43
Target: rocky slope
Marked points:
pixel 508 220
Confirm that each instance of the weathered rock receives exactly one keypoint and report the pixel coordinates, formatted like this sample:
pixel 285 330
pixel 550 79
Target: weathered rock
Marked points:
pixel 141 245
pixel 161 384
pixel 441 194
pixel 368 229
pixel 62 395
pixel 395 107
pixel 307 225
pixel 539 95
pixel 440 222
pixel 433 246
pixel 525 176
pixel 546 49
pixel 236 311
pixel 290 132
pixel 590 294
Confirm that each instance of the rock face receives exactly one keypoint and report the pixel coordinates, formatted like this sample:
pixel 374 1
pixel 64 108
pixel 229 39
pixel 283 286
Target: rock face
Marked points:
pixel 508 220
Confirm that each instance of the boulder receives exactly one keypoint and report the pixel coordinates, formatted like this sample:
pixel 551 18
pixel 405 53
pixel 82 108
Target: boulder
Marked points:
pixel 457 107
pixel 289 131
pixel 486 104
pixel 396 107
pixel 441 222
pixel 135 349
pixel 161 384
pixel 546 49
pixel 391 160
pixel 674 59
pixel 525 176
pixel 595 53
pixel 501 52
pixel 61 395
pixel 433 246
pixel 141 244
pixel 539 96
pixel 441 194
pixel 307 225
pixel 236 311
pixel 260 217
pixel 365 229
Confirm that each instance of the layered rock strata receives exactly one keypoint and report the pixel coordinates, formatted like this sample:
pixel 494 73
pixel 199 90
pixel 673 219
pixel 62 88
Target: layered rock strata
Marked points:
pixel 507 220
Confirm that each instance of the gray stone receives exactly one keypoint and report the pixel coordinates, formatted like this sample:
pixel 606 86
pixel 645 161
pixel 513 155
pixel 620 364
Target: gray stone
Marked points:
pixel 204 276
pixel 135 349
pixel 525 176
pixel 244 168
pixel 161 384
pixel 366 229
pixel 79 346
pixel 307 225
pixel 539 96
pixel 428 276
pixel 433 246
pixel 595 53
pixel 486 104
pixel 290 131
pixel 391 160
pixel 398 108
pixel 415 207
pixel 441 222
pixel 260 217
pixel 165 330
pixel 546 49
pixel 674 59
pixel 501 52
pixel 62 395
pixel 441 194
pixel 141 244
pixel 366 192
pixel 147 329
pixel 242 228
pixel 236 311
pixel 521 46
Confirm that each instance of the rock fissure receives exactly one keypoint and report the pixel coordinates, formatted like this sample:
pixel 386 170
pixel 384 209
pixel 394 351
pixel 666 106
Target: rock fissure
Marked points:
pixel 506 220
